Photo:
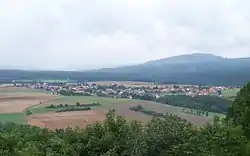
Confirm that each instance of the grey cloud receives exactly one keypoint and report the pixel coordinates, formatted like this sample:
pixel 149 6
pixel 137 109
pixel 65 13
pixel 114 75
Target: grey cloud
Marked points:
pixel 80 34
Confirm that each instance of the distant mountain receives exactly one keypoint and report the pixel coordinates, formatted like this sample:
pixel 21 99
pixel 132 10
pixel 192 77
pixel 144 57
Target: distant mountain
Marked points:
pixel 184 69
pixel 195 57
pixel 197 68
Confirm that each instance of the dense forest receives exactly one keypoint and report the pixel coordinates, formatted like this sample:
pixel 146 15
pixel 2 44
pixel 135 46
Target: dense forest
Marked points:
pixel 204 69
pixel 213 77
pixel 202 102
pixel 168 135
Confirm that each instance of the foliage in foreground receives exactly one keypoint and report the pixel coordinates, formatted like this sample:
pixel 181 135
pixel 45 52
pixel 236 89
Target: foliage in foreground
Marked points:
pixel 168 136
pixel 239 112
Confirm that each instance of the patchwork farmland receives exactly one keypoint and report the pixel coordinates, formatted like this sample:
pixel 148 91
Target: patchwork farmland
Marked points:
pixel 15 102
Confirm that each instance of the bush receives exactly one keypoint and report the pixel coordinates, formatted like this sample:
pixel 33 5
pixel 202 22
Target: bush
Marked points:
pixel 239 112
pixel 166 136
pixel 69 109
pixel 51 106
pixel 28 113
pixel 91 104
pixel 139 108
pixel 60 106
pixel 136 108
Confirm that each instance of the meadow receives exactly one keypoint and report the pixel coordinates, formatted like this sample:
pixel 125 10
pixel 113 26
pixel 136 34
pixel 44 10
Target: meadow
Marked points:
pixel 230 92
pixel 16 105
pixel 18 118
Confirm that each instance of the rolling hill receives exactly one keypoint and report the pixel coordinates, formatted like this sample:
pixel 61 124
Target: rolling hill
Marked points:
pixel 195 68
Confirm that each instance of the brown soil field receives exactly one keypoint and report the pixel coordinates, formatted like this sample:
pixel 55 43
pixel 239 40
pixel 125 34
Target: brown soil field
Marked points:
pixel 18 103
pixel 123 110
pixel 63 120
pixel 11 88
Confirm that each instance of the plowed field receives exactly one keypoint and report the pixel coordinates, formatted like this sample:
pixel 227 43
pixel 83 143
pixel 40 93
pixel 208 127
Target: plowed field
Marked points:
pixel 63 120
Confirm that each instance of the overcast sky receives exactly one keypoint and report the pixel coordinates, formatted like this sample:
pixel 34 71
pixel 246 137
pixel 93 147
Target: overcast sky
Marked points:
pixel 83 34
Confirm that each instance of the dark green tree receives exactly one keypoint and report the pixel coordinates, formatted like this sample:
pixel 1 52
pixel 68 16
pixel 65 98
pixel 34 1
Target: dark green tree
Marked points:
pixel 78 104
pixel 239 112
pixel 28 112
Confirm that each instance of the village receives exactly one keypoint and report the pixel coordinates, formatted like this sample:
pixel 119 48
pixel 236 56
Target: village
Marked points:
pixel 117 90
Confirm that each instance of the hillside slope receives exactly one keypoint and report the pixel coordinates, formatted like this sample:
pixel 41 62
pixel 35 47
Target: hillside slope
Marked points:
pixel 192 69
pixel 185 69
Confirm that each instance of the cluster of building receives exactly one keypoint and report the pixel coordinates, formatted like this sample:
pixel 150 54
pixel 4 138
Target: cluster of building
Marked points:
pixel 122 91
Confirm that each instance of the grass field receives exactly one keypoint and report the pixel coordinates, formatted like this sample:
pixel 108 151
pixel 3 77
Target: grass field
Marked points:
pixel 36 102
pixel 48 81
pixel 13 117
pixel 121 105
pixel 88 99
pixel 52 81
pixel 15 100
pixel 230 93
pixel 20 117
pixel 43 110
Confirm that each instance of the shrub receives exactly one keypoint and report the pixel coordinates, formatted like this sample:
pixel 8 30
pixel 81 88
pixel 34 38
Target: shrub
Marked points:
pixel 91 104
pixel 28 113
pixel 78 104
pixel 69 109
pixel 51 106
pixel 136 108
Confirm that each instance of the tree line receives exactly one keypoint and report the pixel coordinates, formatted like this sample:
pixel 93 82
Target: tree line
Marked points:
pixel 232 77
pixel 200 102
pixel 139 108
pixel 168 135
pixel 76 107
pixel 71 93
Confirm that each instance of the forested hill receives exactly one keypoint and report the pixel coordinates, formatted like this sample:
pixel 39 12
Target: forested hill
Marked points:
pixel 185 69
pixel 195 68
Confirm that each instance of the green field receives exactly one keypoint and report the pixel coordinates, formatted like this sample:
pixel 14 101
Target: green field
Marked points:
pixel 121 105
pixel 52 81
pixel 48 81
pixel 43 110
pixel 107 103
pixel 89 99
pixel 13 117
pixel 20 117
pixel 230 93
